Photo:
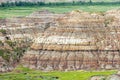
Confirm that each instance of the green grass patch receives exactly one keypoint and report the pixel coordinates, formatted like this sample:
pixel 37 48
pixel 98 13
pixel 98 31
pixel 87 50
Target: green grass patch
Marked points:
pixel 22 73
pixel 8 12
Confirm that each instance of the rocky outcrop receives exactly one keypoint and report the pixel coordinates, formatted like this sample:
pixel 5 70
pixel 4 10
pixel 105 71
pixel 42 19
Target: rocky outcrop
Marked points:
pixel 4 66
pixel 114 77
pixel 71 41
pixel 110 77
pixel 17 34
pixel 77 40
pixel 71 60
pixel 98 78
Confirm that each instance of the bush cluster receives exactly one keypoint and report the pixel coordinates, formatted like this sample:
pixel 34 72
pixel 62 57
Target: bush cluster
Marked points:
pixel 20 3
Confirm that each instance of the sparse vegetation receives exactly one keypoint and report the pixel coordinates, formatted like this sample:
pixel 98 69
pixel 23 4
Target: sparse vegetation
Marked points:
pixel 3 31
pixel 11 43
pixel 14 53
pixel 22 73
pixel 7 12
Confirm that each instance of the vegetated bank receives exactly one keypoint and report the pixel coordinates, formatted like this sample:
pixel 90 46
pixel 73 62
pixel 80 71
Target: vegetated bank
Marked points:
pixel 22 73
pixel 22 11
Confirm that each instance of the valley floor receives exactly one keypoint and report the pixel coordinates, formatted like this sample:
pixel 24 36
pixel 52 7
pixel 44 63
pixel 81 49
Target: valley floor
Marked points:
pixel 21 73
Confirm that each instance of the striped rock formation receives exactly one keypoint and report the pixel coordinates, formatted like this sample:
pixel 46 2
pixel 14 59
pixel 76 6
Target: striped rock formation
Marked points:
pixel 73 41
pixel 16 35
pixel 78 40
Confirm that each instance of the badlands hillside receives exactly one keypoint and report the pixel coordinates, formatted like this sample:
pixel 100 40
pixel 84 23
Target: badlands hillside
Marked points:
pixel 71 41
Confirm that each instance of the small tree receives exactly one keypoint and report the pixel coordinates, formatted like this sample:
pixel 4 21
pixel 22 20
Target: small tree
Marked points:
pixel 90 1
pixel 2 5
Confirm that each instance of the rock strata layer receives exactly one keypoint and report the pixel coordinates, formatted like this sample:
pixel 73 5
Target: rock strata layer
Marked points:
pixel 77 40
pixel 71 41
pixel 72 60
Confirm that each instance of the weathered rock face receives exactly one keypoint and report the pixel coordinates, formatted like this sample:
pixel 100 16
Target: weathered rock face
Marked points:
pixel 76 31
pixel 71 60
pixel 98 78
pixel 114 77
pixel 72 41
pixel 111 77
pixel 4 67
pixel 17 34
pixel 77 40
pixel 27 27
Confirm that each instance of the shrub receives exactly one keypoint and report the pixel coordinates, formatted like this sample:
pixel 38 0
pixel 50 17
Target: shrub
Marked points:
pixel 3 31
pixel 20 3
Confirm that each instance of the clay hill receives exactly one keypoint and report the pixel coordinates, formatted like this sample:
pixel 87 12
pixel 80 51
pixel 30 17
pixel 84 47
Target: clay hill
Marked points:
pixel 72 41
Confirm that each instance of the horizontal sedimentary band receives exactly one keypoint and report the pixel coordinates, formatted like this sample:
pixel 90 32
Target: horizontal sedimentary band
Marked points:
pixel 72 60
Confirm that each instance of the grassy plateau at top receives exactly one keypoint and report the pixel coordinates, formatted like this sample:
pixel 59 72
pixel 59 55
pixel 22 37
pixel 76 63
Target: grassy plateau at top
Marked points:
pixel 8 12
